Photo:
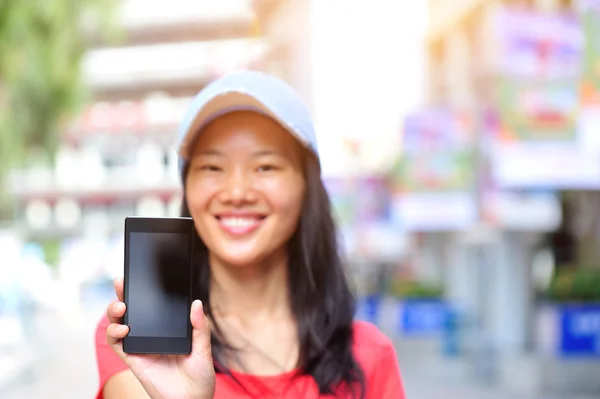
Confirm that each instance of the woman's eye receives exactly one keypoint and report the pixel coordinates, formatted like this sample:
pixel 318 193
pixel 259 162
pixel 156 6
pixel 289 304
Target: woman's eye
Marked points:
pixel 266 168
pixel 209 168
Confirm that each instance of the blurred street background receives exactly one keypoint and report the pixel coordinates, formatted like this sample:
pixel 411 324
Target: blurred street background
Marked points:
pixel 461 148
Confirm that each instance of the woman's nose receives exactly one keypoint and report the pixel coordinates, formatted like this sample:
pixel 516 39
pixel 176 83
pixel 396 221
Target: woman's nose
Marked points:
pixel 238 189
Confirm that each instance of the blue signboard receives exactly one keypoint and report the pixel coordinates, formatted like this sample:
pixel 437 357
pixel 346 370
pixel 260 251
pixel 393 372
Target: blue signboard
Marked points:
pixel 368 308
pixel 423 317
pixel 580 330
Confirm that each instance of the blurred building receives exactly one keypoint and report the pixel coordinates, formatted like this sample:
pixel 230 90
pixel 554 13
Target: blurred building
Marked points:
pixel 493 58
pixel 463 47
pixel 118 158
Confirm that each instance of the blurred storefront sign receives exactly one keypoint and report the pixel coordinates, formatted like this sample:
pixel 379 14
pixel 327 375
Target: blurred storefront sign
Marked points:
pixel 522 211
pixel 570 331
pixel 558 167
pixel 537 112
pixel 404 317
pixel 580 330
pixel 433 182
pixel 538 44
pixel 369 308
pixel 539 134
pixel 422 317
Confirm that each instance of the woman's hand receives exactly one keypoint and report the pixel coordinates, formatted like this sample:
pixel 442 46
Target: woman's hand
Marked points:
pixel 167 376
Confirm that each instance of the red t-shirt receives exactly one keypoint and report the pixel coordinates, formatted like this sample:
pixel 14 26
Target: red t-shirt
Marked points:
pixel 373 351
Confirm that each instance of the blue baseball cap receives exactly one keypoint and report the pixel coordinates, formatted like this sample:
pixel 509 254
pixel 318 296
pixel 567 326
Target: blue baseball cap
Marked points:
pixel 246 91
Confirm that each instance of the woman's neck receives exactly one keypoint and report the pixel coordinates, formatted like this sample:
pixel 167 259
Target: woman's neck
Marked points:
pixel 250 293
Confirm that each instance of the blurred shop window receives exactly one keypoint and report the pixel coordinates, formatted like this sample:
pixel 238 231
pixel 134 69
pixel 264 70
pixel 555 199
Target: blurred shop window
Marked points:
pixel 113 267
pixel 39 170
pixel 150 206
pixel 119 165
pixel 93 172
pixel 149 164
pixel 67 168
pixel 119 211
pixel 38 214
pixel 96 222
pixel 172 165
pixel 67 213
pixel 174 206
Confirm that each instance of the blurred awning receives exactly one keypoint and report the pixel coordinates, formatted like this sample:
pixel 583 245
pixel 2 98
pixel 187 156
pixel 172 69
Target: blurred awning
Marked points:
pixel 162 65
pixel 111 189
pixel 152 21
pixel 154 116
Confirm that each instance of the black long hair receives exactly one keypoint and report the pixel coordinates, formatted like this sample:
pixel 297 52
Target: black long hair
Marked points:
pixel 321 299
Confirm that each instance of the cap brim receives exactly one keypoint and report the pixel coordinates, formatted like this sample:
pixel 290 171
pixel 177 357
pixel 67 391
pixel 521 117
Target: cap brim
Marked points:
pixel 220 105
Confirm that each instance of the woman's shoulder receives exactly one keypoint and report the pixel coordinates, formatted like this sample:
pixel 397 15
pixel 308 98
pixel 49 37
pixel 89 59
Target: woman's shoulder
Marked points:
pixel 370 345
pixel 368 335
pixel 376 355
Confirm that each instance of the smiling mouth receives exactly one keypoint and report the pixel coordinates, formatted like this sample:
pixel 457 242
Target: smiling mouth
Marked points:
pixel 240 225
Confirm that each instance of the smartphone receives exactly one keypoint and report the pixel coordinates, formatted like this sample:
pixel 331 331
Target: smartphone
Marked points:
pixel 158 285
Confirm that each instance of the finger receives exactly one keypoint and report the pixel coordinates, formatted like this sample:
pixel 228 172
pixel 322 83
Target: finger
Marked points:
pixel 115 312
pixel 114 338
pixel 200 331
pixel 118 283
pixel 115 333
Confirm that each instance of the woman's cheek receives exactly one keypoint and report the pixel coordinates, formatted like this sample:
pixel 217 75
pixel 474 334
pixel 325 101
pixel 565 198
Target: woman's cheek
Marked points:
pixel 286 197
pixel 196 194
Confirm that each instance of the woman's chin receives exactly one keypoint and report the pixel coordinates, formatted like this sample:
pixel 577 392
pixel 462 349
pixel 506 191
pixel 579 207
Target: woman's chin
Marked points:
pixel 249 260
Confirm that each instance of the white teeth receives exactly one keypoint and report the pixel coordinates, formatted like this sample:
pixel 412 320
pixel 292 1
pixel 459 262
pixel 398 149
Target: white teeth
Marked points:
pixel 238 222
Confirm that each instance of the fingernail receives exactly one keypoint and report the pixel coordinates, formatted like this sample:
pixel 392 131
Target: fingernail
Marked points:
pixel 122 329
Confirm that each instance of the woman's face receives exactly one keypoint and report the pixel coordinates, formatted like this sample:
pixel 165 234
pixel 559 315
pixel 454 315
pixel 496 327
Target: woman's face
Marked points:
pixel 245 187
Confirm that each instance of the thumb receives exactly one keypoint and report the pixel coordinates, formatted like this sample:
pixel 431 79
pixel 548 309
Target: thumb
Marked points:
pixel 200 332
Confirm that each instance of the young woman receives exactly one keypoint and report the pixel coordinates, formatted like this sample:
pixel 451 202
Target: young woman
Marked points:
pixel 275 315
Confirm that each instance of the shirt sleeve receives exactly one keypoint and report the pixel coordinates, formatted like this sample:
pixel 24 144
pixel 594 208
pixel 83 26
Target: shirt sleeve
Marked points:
pixel 385 381
pixel 109 363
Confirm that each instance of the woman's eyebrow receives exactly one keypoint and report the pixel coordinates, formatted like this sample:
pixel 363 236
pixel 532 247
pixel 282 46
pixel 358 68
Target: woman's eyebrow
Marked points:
pixel 210 152
pixel 263 153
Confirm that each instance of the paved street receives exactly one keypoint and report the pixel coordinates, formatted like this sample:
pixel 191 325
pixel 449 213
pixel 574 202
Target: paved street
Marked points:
pixel 65 367
pixel 418 388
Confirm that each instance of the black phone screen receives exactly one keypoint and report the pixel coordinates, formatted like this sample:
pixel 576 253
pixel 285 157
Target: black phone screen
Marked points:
pixel 158 284
pixel 158 287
